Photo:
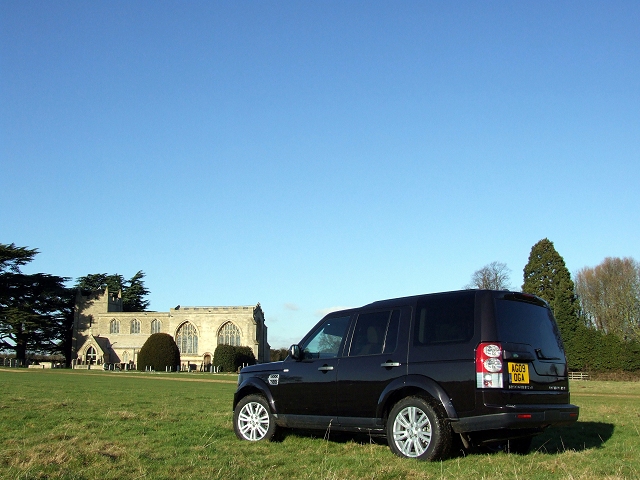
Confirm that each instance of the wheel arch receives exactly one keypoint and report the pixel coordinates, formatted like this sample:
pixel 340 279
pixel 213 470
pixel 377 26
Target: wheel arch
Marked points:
pixel 251 386
pixel 414 385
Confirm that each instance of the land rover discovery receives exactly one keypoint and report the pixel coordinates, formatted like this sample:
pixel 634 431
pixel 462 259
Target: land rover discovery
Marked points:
pixel 487 366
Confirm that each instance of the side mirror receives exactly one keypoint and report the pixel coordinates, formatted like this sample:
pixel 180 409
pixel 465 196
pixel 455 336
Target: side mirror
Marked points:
pixel 294 352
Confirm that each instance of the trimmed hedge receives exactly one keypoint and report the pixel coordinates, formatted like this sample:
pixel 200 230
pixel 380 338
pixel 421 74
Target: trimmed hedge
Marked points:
pixel 593 351
pixel 229 357
pixel 159 352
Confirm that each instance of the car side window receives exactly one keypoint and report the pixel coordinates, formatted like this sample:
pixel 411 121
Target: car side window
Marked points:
pixel 375 333
pixel 441 320
pixel 325 342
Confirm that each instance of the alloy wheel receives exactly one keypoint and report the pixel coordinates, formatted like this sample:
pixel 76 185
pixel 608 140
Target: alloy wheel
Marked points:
pixel 412 431
pixel 253 421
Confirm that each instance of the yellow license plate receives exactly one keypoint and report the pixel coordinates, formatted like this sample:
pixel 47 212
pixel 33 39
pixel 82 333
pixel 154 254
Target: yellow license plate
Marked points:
pixel 518 373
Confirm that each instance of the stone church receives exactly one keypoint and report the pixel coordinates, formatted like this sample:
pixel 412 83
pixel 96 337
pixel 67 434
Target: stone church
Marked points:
pixel 104 334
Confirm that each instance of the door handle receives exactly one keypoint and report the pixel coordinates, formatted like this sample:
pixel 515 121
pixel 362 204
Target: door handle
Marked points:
pixel 389 364
pixel 325 368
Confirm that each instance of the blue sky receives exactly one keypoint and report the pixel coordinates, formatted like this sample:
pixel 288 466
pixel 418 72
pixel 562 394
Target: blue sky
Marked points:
pixel 311 155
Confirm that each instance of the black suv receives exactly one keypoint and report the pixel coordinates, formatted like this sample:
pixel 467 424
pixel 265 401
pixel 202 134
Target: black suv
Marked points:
pixel 486 365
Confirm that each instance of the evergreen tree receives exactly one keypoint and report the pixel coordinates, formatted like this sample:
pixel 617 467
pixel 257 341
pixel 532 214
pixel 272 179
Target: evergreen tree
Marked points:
pixel 36 311
pixel 133 290
pixel 232 357
pixel 547 276
pixel 565 308
pixel 12 257
pixel 96 282
pixel 134 293
pixel 159 352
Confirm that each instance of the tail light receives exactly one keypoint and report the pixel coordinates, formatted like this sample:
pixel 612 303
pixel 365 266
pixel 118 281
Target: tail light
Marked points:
pixel 489 366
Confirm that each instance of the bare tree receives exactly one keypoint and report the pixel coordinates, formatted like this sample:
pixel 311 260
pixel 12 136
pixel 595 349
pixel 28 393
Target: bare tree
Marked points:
pixel 495 276
pixel 610 296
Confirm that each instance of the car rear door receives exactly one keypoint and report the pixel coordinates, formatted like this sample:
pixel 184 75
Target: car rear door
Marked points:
pixel 533 350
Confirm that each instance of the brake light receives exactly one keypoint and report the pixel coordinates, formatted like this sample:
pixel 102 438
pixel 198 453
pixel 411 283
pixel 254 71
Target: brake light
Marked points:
pixel 489 365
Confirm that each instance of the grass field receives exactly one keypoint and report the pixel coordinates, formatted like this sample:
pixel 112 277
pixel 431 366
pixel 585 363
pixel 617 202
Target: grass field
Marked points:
pixel 64 424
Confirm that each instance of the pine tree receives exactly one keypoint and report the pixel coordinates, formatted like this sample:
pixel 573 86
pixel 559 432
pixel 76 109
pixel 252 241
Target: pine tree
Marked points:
pixel 547 276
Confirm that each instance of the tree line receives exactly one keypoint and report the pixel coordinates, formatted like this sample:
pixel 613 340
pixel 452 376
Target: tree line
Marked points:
pixel 37 310
pixel 598 316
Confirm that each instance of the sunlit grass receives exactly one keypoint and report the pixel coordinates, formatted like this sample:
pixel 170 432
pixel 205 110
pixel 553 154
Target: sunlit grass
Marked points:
pixel 86 425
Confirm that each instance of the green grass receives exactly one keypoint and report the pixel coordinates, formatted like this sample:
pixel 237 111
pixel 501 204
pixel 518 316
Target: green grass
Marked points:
pixel 106 425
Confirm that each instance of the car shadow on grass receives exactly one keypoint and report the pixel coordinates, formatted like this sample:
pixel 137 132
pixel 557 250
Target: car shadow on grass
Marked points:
pixel 330 435
pixel 577 437
pixel 553 441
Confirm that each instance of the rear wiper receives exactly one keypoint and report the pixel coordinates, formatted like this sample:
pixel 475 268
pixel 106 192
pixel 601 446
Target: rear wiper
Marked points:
pixel 542 356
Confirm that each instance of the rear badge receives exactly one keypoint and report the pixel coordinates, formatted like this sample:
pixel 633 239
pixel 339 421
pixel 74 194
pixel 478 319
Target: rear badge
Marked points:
pixel 274 378
pixel 520 387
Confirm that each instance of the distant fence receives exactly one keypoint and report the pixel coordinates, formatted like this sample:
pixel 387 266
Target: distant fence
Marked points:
pixel 578 376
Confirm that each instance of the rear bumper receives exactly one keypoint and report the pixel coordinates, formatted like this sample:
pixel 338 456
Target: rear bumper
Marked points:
pixel 517 417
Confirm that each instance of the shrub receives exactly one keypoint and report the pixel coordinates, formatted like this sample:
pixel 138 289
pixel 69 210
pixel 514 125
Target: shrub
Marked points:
pixel 632 354
pixel 594 351
pixel 229 357
pixel 159 352
pixel 279 354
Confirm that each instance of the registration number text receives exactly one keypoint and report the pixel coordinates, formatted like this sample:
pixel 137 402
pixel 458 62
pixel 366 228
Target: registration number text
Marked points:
pixel 519 373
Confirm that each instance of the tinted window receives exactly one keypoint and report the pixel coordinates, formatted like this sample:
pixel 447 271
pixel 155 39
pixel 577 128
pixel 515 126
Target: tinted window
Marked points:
pixel 521 322
pixel 375 332
pixel 444 319
pixel 325 342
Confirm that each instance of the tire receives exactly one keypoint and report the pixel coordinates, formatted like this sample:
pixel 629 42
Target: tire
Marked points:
pixel 415 429
pixel 252 419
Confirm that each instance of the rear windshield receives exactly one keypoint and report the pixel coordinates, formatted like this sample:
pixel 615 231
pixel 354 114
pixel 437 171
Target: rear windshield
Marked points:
pixel 522 322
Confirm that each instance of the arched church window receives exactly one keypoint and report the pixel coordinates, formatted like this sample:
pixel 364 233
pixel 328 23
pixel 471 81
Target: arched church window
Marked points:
pixel 114 326
pixel 155 326
pixel 229 334
pixel 125 357
pixel 135 326
pixel 91 356
pixel 187 338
